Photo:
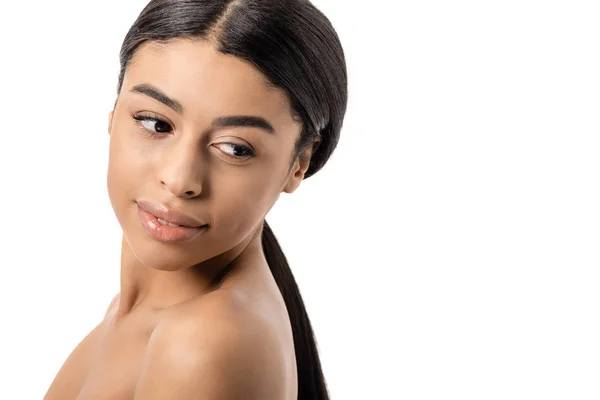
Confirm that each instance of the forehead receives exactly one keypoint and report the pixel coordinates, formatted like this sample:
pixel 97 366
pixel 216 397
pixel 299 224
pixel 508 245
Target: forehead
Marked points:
pixel 206 81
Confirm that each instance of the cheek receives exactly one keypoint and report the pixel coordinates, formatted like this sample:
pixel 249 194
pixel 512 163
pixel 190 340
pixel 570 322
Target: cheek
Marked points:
pixel 240 204
pixel 115 178
pixel 122 172
pixel 128 158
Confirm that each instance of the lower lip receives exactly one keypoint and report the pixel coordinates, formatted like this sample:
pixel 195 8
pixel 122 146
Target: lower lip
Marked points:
pixel 165 233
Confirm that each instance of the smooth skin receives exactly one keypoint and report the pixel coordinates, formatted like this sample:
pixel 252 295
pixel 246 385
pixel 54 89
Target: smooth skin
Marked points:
pixel 173 332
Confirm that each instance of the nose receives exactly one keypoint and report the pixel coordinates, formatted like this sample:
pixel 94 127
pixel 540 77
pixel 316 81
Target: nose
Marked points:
pixel 181 173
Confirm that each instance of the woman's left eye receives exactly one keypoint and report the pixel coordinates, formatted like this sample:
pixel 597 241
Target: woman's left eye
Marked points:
pixel 237 150
pixel 153 126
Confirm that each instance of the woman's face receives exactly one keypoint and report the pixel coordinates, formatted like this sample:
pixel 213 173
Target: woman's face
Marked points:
pixel 172 152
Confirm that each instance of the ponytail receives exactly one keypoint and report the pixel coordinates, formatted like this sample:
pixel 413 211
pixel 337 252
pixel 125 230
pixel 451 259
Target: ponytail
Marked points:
pixel 311 382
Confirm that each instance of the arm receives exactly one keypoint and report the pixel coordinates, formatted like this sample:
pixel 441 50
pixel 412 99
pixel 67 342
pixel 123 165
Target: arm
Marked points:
pixel 208 359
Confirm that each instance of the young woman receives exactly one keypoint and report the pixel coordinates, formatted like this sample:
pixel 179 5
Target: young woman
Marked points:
pixel 221 106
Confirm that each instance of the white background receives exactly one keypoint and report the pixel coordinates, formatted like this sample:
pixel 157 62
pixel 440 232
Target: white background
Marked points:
pixel 448 250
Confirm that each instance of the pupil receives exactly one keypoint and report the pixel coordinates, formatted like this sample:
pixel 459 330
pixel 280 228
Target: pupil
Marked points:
pixel 164 125
pixel 240 151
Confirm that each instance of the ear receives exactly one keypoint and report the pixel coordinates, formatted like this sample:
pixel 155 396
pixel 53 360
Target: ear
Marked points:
pixel 300 167
pixel 110 117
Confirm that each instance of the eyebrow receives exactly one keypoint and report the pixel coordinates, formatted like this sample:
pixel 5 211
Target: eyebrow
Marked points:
pixel 232 120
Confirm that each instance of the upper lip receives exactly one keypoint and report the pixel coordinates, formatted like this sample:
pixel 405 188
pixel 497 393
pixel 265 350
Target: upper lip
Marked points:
pixel 163 212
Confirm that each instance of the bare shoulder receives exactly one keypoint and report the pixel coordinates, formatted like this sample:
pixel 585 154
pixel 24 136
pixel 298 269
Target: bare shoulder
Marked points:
pixel 69 378
pixel 217 349
pixel 112 304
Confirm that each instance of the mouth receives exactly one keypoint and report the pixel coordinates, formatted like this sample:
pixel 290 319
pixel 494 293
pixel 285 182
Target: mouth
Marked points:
pixel 169 216
pixel 165 231
pixel 167 223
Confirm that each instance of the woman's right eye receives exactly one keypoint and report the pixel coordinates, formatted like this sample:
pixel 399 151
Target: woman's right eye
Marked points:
pixel 154 126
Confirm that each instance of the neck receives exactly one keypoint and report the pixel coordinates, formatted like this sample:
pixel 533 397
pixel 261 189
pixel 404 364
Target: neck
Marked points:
pixel 149 289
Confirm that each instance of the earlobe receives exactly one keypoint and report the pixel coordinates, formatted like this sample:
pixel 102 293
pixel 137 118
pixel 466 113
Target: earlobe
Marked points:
pixel 292 183
pixel 300 167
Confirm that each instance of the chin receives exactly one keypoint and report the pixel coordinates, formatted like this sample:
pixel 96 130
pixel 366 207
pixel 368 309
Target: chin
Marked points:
pixel 159 258
pixel 155 254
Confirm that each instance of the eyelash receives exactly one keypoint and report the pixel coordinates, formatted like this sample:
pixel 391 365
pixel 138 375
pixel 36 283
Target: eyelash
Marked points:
pixel 140 118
